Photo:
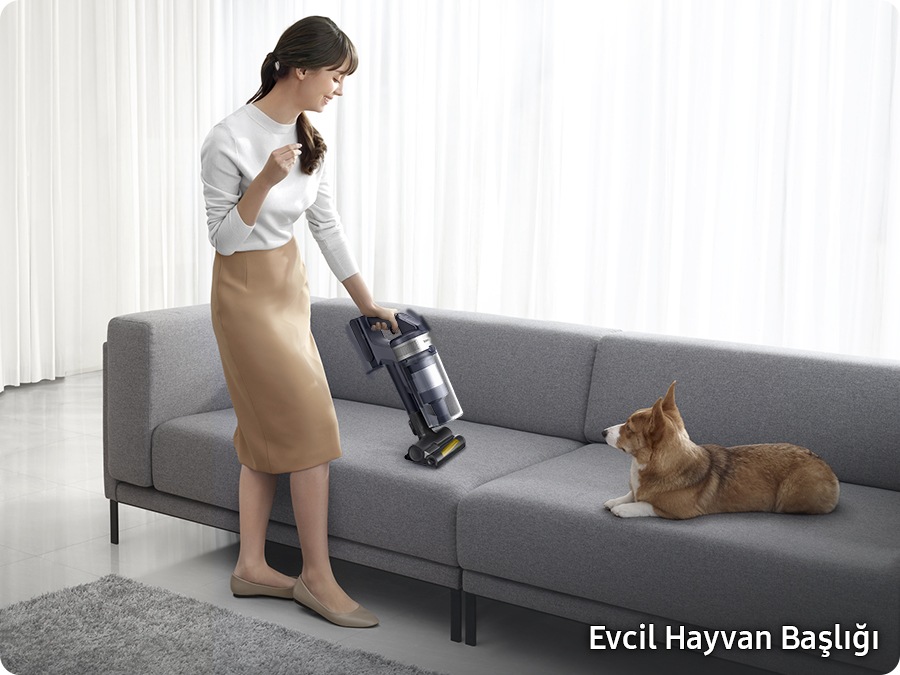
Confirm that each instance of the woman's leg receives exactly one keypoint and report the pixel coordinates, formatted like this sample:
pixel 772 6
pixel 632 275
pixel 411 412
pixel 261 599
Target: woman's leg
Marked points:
pixel 256 493
pixel 309 494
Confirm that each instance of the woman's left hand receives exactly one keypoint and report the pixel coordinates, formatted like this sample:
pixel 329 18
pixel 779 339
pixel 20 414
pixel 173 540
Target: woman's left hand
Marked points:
pixel 367 306
pixel 389 316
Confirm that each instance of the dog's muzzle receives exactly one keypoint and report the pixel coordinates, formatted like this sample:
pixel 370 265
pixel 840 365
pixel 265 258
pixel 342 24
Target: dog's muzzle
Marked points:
pixel 611 436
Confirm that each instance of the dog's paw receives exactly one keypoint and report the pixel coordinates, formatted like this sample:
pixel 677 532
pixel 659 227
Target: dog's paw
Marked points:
pixel 633 510
pixel 611 503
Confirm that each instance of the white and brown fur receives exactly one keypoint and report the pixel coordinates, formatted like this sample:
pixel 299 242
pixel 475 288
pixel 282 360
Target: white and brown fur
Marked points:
pixel 672 477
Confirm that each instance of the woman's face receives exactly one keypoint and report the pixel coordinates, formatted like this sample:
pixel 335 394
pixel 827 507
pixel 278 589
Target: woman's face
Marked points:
pixel 318 87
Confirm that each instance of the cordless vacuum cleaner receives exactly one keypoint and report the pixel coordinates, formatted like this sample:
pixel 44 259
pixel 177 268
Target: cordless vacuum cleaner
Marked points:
pixel 419 376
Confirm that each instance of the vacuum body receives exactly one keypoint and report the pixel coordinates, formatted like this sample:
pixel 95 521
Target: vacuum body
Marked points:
pixel 418 374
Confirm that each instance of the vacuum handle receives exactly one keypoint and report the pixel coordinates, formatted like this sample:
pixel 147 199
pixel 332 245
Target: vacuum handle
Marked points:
pixel 374 319
pixel 405 322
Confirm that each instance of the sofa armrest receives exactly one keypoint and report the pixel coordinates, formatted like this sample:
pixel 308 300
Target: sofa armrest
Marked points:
pixel 161 365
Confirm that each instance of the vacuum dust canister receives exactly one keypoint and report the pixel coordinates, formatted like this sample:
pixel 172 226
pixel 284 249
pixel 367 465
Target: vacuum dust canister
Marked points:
pixel 431 385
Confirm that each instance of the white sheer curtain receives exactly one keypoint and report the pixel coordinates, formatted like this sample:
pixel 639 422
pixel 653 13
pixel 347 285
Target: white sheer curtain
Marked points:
pixel 102 108
pixel 700 168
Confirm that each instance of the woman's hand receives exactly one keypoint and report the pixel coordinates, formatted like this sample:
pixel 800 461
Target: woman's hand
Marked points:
pixel 389 316
pixel 276 169
pixel 279 164
pixel 361 295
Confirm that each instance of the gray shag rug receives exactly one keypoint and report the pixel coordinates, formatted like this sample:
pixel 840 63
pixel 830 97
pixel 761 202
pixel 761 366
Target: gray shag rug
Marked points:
pixel 117 625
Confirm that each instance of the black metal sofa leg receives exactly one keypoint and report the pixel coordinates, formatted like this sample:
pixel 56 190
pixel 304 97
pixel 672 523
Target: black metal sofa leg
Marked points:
pixel 470 617
pixel 456 615
pixel 113 521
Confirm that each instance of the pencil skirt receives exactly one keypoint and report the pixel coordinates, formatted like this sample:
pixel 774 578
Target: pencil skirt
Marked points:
pixel 260 315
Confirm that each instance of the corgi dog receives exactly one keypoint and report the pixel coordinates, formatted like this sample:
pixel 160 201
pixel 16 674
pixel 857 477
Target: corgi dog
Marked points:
pixel 672 477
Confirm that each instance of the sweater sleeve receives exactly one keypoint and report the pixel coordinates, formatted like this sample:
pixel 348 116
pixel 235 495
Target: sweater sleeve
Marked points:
pixel 221 191
pixel 326 228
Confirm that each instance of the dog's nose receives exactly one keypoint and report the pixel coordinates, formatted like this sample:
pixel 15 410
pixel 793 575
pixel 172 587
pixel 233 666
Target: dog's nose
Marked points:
pixel 605 432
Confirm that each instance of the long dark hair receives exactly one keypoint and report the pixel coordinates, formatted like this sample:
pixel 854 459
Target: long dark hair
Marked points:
pixel 313 43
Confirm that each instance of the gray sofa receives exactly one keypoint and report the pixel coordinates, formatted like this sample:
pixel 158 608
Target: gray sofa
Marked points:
pixel 518 516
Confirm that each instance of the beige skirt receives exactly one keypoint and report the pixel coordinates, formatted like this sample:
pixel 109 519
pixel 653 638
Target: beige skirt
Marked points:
pixel 260 315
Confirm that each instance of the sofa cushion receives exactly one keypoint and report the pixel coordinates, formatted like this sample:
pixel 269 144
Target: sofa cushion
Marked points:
pixel 729 571
pixel 515 373
pixel 842 408
pixel 194 457
pixel 377 497
pixel 381 499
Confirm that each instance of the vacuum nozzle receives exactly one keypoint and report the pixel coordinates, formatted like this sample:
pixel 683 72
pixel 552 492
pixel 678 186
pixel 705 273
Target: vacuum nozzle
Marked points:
pixel 448 450
pixel 435 448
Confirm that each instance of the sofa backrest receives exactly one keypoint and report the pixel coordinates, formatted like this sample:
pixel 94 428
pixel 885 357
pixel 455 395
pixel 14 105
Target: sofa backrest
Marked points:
pixel 515 373
pixel 845 409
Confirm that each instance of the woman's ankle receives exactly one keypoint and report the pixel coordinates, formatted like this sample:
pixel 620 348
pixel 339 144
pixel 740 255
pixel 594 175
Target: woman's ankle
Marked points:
pixel 249 567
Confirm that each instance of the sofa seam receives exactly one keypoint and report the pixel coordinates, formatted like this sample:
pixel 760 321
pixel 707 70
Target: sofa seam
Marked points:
pixel 587 404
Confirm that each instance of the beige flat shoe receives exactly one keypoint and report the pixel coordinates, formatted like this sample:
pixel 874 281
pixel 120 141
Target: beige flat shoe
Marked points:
pixel 358 618
pixel 241 588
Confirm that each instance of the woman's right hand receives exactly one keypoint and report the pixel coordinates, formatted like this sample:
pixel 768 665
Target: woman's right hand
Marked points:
pixel 276 170
pixel 280 163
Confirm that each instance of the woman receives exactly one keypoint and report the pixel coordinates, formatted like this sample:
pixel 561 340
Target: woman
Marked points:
pixel 262 167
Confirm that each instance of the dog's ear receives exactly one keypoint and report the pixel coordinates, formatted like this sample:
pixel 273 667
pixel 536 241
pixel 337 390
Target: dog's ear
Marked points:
pixel 671 410
pixel 669 400
pixel 657 425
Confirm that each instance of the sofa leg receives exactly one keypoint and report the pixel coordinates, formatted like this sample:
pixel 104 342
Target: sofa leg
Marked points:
pixel 456 615
pixel 470 617
pixel 113 521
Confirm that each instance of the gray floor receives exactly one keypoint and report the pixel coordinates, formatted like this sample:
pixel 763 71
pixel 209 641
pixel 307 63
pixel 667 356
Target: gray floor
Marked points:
pixel 54 533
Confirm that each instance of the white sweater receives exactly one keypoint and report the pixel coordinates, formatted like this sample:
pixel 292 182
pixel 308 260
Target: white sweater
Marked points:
pixel 234 152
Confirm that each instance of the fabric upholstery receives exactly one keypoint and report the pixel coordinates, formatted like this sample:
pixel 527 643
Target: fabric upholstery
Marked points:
pixel 842 408
pixel 514 373
pixel 725 571
pixel 409 508
pixel 519 512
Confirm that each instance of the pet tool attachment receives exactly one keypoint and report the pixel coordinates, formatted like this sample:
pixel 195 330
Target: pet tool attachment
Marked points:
pixel 415 368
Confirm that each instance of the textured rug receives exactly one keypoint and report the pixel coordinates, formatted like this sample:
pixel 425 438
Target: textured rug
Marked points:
pixel 116 625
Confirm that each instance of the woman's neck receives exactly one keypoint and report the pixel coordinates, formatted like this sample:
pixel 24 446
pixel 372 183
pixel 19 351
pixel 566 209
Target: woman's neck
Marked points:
pixel 277 105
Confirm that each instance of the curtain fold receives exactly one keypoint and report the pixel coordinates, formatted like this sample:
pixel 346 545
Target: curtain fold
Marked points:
pixel 691 167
